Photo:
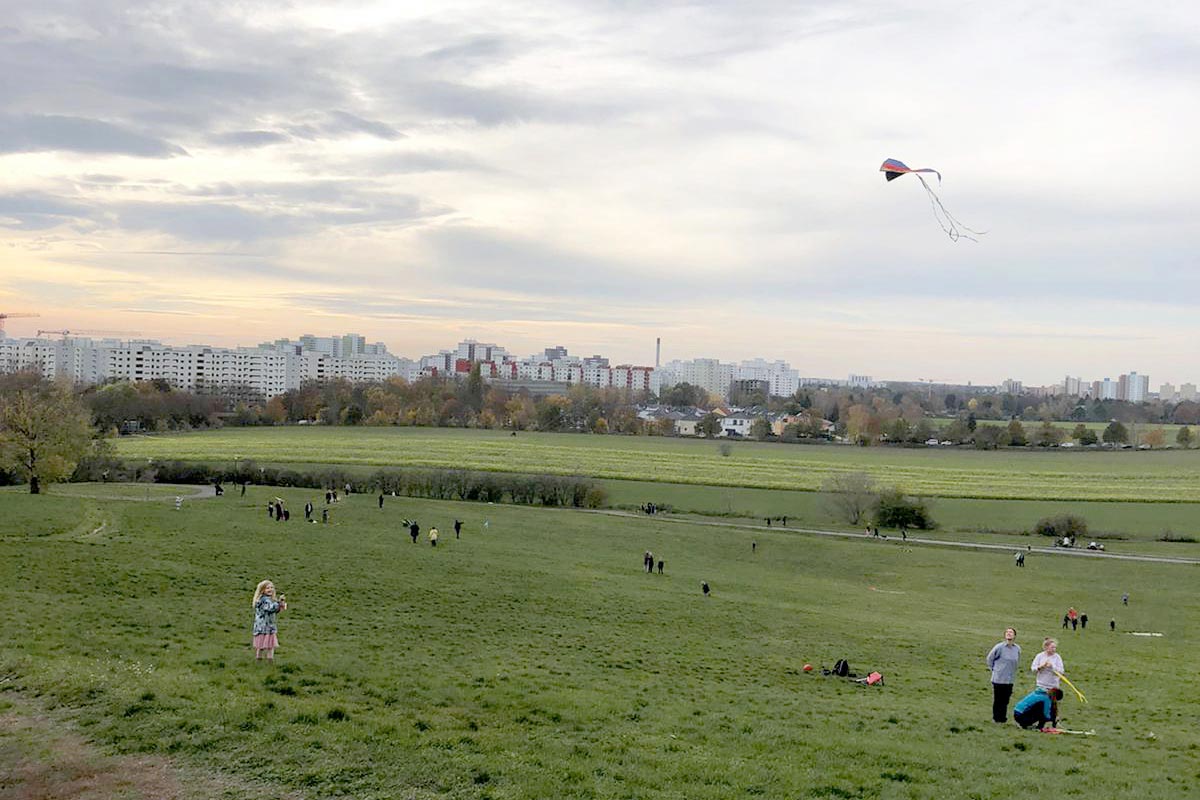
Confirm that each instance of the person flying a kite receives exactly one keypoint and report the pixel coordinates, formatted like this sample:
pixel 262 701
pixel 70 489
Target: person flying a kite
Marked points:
pixel 893 169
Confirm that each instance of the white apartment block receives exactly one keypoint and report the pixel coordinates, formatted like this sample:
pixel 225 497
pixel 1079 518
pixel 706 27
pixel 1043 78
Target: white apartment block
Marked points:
pixel 1187 391
pixel 244 372
pixel 1167 393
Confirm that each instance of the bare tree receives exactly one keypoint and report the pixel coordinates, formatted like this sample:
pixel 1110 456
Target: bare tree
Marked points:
pixel 850 496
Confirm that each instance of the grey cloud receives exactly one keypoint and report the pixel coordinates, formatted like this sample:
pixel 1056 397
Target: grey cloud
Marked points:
pixel 38 211
pixel 36 132
pixel 346 121
pixel 411 162
pixel 248 138
pixel 205 221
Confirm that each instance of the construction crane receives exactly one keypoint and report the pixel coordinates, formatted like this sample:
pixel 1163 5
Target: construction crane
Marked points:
pixel 92 333
pixel 930 382
pixel 12 315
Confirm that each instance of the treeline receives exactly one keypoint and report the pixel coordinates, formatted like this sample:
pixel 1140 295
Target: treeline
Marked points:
pixel 437 484
pixel 861 415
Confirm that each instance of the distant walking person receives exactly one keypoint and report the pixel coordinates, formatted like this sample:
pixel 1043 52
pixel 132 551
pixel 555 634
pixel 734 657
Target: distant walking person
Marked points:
pixel 1083 621
pixel 414 530
pixel 660 566
pixel 704 588
pixel 753 547
pixel 1125 599
pixel 324 516
pixel 1112 625
pixel 1066 621
pixel 278 511
pixel 328 497
pixel 266 608
pixel 308 509
pixel 1002 661
pixel 457 528
pixel 433 537
pixel 1073 616
pixel 381 500
pixel 270 509
pixel 243 489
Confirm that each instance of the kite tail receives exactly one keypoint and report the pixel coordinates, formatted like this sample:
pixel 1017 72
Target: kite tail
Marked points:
pixel 951 226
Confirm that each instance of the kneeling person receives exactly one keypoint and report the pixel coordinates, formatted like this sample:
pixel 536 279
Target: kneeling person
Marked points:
pixel 1037 708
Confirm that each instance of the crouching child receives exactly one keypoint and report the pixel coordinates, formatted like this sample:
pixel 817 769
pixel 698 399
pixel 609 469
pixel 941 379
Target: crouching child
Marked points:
pixel 1038 708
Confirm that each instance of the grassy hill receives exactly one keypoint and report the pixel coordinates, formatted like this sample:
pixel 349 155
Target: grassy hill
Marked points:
pixel 535 659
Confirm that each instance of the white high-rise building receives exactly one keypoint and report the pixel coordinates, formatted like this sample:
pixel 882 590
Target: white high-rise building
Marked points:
pixel 1167 392
pixel 1187 391
pixel 243 372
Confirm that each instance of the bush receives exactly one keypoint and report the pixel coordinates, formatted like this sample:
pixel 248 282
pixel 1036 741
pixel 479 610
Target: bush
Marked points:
pixel 1060 526
pixel 894 510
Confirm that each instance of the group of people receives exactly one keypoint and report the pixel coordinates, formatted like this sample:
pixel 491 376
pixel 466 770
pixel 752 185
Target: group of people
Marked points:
pixel 648 562
pixel 1040 706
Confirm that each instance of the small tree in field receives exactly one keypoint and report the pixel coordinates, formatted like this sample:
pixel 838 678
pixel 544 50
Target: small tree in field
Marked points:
pixel 1184 437
pixel 1115 433
pixel 894 510
pixel 44 431
pixel 850 496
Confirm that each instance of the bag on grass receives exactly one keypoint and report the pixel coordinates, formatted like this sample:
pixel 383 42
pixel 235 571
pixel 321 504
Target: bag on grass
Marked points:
pixel 841 668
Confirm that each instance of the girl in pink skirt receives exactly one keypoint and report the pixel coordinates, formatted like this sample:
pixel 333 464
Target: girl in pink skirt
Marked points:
pixel 266 607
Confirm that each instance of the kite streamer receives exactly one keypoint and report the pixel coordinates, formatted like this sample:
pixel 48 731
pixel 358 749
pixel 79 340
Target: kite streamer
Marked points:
pixel 956 230
pixel 1078 693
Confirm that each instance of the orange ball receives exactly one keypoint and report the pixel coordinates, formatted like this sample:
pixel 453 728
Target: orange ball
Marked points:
pixel 808 667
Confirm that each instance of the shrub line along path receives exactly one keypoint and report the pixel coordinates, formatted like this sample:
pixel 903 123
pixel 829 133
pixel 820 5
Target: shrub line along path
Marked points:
pixel 1053 551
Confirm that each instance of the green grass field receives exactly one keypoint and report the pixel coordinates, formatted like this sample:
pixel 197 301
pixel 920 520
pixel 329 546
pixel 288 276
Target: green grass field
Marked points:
pixel 1163 476
pixel 536 660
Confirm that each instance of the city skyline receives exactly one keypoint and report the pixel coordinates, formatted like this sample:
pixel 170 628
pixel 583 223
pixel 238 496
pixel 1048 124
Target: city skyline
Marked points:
pixel 1101 387
pixel 598 176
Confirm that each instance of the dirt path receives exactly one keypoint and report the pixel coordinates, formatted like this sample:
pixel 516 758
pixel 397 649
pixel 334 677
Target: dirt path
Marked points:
pixel 912 540
pixel 43 757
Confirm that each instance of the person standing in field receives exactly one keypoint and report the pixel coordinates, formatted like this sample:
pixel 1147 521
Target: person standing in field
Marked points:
pixel 414 530
pixel 308 509
pixel 1083 621
pixel 1048 665
pixel 704 588
pixel 1125 599
pixel 1002 661
pixel 457 528
pixel 266 608
pixel 660 566
pixel 433 536
pixel 381 501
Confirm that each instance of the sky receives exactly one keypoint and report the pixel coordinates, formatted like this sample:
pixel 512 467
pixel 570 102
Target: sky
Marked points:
pixel 598 174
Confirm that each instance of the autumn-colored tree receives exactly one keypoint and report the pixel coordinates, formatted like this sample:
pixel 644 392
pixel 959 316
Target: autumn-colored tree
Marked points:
pixel 44 430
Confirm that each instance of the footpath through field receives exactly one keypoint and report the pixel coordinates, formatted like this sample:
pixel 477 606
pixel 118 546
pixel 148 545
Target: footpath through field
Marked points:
pixel 1053 551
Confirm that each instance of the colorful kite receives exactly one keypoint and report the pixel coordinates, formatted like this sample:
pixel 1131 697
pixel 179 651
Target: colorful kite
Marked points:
pixel 893 169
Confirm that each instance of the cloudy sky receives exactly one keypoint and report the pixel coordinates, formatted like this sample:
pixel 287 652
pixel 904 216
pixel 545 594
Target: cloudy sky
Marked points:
pixel 596 174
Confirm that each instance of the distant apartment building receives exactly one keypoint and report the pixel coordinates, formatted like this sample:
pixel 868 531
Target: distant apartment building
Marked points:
pixel 1133 388
pixel 718 379
pixel 1009 386
pixel 1105 389
pixel 860 382
pixel 1074 387
pixel 1187 391
pixel 1168 393
pixel 236 373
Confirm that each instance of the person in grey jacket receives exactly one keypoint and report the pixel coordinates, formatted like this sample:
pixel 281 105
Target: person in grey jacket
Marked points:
pixel 1002 661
